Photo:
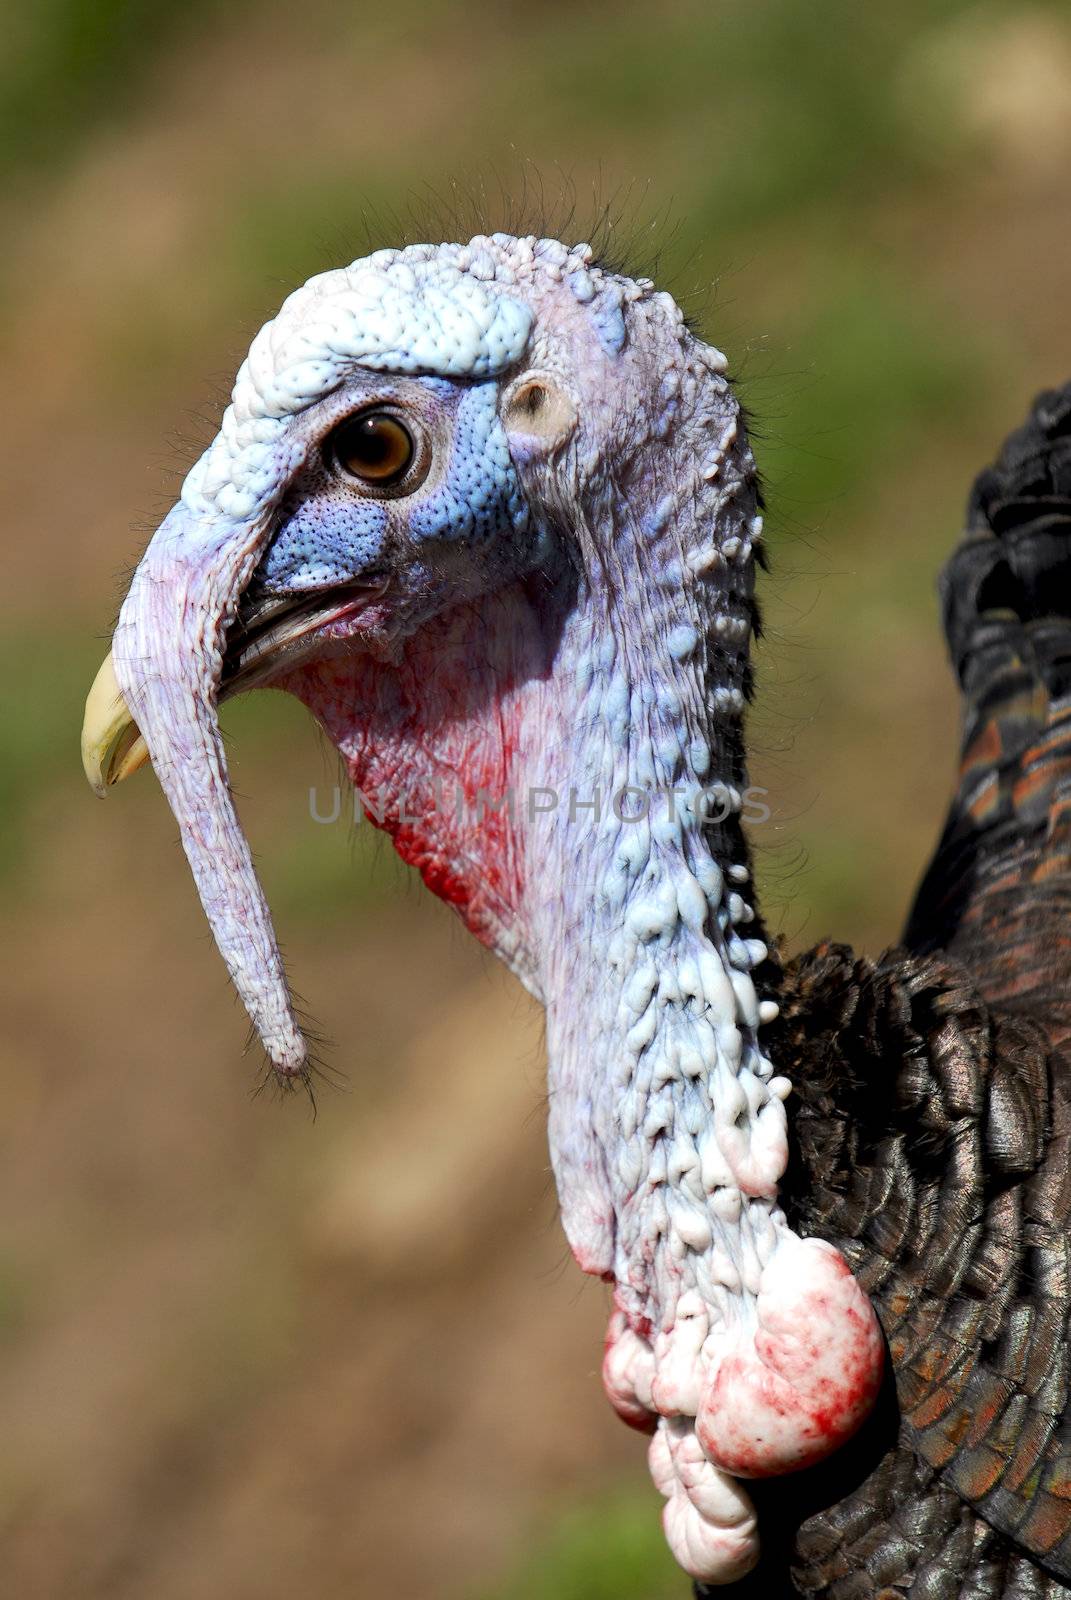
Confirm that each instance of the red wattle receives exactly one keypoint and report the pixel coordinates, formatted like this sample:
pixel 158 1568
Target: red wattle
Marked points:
pixel 806 1381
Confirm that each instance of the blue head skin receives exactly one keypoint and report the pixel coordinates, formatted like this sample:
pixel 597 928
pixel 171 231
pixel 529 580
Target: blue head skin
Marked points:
pixel 468 528
pixel 489 511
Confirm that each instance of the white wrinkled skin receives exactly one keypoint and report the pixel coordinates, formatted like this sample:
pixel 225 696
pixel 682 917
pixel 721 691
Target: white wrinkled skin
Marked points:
pixel 420 310
pixel 708 1518
pixel 668 1126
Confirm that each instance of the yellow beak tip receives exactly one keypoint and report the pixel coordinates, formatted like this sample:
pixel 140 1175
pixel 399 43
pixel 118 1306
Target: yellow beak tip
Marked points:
pixel 112 747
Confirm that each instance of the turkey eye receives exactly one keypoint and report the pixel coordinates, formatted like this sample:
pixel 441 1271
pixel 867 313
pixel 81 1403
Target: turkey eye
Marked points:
pixel 376 448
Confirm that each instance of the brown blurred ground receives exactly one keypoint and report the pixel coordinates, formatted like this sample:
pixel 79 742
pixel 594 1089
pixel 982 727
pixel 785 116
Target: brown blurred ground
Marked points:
pixel 246 1353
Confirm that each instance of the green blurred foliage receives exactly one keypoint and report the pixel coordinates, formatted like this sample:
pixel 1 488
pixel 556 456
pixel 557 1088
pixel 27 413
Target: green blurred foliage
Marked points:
pixel 611 1548
pixel 44 675
pixel 820 441
pixel 16 1300
pixel 69 64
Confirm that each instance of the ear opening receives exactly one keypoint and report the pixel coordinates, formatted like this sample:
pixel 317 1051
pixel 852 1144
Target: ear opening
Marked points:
pixel 538 410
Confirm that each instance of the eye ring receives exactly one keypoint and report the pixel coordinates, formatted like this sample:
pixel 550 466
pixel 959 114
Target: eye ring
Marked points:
pixel 379 451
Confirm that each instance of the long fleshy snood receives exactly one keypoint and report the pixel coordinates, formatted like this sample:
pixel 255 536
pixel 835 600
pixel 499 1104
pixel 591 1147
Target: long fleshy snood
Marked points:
pixel 168 656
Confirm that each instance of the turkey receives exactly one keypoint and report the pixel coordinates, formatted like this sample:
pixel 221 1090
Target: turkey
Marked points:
pixel 490 512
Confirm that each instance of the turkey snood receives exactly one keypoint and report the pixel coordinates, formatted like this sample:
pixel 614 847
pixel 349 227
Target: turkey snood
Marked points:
pixel 529 640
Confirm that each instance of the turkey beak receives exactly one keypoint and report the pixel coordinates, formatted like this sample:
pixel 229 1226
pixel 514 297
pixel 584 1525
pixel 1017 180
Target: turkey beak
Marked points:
pixel 157 695
pixel 112 746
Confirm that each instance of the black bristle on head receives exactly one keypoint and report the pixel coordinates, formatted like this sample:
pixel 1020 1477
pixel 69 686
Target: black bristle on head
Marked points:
pixel 628 233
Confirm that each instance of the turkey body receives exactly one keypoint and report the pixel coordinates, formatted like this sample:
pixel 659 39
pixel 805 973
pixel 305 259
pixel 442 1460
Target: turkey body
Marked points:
pixel 932 1118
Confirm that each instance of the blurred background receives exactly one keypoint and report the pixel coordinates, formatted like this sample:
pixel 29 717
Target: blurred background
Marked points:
pixel 250 1354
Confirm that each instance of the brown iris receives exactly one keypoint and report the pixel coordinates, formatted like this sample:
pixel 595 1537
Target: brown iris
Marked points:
pixel 376 448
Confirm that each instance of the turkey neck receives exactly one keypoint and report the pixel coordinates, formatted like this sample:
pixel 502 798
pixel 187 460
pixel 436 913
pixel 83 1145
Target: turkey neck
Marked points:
pixel 667 1123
